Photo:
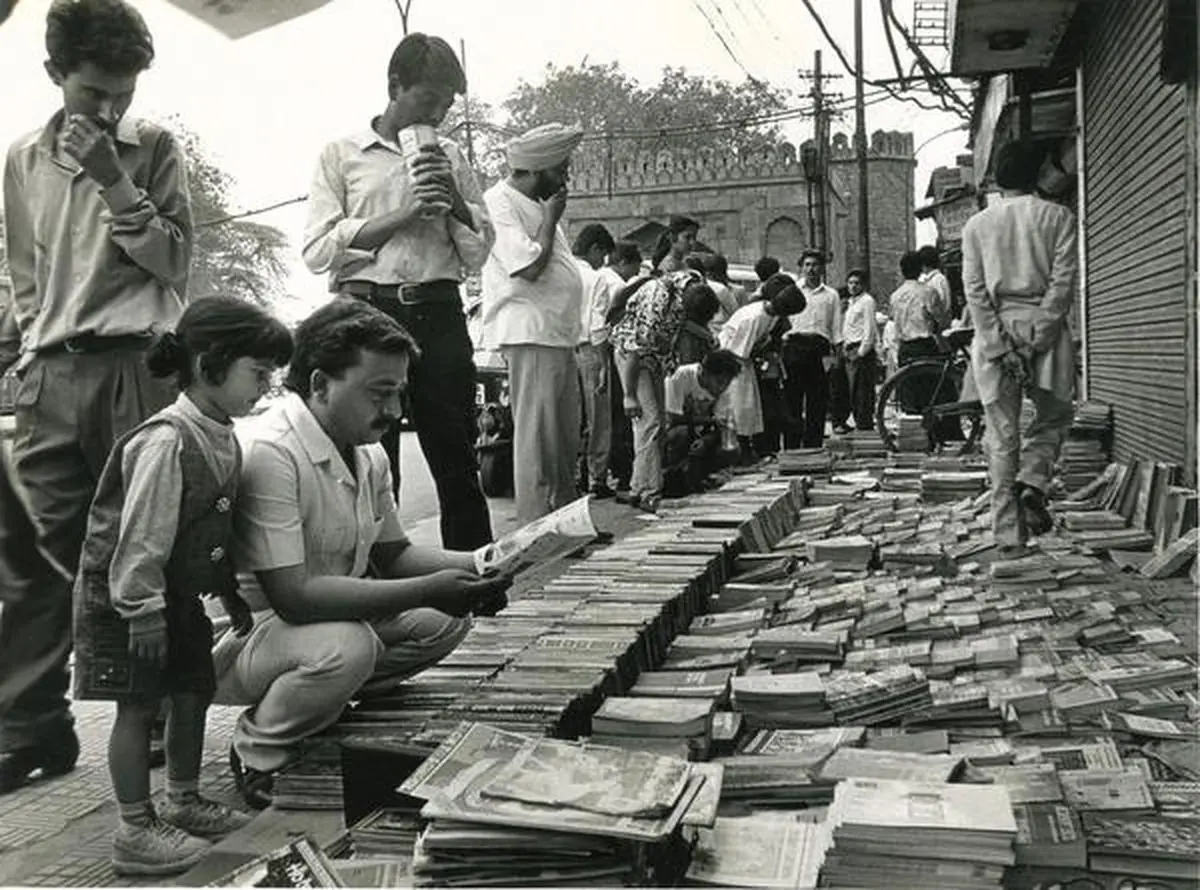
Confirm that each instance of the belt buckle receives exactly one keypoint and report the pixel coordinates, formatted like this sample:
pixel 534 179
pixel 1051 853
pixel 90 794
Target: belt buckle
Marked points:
pixel 404 294
pixel 72 345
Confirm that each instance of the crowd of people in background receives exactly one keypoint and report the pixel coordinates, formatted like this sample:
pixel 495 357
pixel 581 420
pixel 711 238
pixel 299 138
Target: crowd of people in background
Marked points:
pixel 777 367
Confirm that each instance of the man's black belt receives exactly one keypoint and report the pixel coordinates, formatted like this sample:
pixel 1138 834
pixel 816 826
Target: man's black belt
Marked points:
pixel 90 344
pixel 443 290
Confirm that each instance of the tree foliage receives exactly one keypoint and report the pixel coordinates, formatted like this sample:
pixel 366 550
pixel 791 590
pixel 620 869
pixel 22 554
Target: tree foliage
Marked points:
pixel 602 97
pixel 240 257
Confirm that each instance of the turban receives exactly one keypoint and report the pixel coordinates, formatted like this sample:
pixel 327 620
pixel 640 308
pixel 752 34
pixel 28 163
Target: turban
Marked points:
pixel 544 147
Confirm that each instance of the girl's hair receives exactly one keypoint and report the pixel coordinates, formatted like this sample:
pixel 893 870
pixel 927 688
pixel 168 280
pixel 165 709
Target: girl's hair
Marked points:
pixel 675 226
pixel 218 331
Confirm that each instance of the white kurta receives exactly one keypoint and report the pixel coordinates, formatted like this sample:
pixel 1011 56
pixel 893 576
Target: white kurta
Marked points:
pixel 1020 254
pixel 742 402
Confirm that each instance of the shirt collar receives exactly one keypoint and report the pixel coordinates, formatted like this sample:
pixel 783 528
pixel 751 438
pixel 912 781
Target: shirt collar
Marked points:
pixel 312 438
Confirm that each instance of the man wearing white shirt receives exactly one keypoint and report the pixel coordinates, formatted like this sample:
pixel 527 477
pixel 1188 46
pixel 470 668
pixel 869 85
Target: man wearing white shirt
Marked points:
pixel 808 355
pixel 933 276
pixel 859 338
pixel 592 246
pixel 401 228
pixel 533 313
pixel 744 334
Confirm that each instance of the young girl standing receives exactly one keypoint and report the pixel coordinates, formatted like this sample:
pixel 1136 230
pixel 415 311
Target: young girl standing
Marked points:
pixel 158 534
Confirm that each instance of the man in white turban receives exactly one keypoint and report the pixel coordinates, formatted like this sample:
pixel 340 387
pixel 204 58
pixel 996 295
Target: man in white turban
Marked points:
pixel 533 313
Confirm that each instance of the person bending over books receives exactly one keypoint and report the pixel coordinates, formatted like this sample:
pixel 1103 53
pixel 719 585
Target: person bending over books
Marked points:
pixel 694 443
pixel 345 605
pixel 644 339
pixel 158 535
pixel 749 334
pixel 696 340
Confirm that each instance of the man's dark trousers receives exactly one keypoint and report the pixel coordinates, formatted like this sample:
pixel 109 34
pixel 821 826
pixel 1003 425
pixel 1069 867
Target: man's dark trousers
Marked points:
pixel 861 374
pixel 806 390
pixel 442 403
pixel 840 404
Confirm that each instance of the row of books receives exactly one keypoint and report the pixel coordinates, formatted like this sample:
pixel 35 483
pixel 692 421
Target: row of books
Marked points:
pixel 1024 714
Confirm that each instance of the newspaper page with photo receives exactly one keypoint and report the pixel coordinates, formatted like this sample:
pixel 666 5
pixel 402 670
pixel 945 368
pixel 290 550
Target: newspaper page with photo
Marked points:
pixel 553 535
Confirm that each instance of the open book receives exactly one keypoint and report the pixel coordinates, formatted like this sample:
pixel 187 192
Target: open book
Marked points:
pixel 549 537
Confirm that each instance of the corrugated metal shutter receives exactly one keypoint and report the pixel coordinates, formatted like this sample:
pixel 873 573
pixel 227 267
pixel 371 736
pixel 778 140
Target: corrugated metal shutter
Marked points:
pixel 1136 156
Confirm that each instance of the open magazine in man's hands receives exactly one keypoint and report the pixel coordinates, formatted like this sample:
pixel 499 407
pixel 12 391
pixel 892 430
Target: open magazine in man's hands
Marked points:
pixel 551 536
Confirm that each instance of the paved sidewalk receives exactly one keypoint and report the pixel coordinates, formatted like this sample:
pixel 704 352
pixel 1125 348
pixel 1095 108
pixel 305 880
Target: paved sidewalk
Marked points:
pixel 58 833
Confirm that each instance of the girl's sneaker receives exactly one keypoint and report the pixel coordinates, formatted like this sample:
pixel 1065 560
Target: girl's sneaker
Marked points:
pixel 202 817
pixel 155 848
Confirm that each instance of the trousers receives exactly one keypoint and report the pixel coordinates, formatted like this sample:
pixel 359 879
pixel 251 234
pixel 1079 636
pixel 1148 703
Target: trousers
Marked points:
pixel 594 372
pixel 806 395
pixel 649 434
pixel 295 679
pixel 861 374
pixel 442 405
pixel 70 409
pixel 1012 459
pixel 544 384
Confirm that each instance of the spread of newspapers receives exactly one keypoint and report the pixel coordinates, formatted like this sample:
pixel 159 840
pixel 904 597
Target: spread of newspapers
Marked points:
pixel 822 674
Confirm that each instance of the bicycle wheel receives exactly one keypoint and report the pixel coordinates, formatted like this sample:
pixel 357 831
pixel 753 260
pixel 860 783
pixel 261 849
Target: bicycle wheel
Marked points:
pixel 912 392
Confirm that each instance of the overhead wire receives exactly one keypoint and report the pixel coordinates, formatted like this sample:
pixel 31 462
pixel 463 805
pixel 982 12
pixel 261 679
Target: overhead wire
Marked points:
pixel 712 25
pixel 903 97
pixel 884 9
pixel 934 77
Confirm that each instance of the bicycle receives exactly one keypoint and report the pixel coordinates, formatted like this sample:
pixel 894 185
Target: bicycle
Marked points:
pixel 931 388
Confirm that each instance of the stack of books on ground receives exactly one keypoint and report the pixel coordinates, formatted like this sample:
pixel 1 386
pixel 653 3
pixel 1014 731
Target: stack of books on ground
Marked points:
pixel 314 780
pixel 868 699
pixel 944 486
pixel 679 726
pixel 910 434
pixel 1146 845
pixel 766 850
pixel 804 462
pixel 504 809
pixel 781 701
pixel 866 444
pixel 902 834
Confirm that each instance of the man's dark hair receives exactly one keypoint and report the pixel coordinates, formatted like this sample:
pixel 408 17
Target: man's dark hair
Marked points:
pixel 625 252
pixel 1018 164
pixel 332 338
pixel 697 262
pixel 424 59
pixel 814 254
pixel 721 363
pixel 700 303
pixel 766 267
pixel 109 34
pixel 788 300
pixel 930 258
pixel 863 278
pixel 593 235
pixel 910 265
pixel 716 267
pixel 218 331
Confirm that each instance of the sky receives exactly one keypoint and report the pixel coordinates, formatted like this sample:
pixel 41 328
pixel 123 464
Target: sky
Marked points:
pixel 264 105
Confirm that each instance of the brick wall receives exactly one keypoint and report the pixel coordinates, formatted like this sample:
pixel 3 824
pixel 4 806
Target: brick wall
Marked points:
pixel 748 204
pixel 890 201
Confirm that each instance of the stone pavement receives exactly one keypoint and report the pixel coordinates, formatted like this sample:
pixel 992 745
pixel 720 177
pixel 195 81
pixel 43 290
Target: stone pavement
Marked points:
pixel 58 833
